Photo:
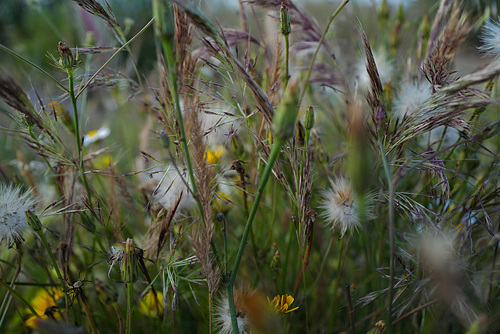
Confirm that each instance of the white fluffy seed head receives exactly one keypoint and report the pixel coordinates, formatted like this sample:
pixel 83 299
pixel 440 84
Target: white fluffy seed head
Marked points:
pixel 490 38
pixel 13 204
pixel 342 208
pixel 410 96
pixel 222 316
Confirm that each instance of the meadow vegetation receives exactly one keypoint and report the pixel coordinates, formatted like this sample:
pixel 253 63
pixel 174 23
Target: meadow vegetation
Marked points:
pixel 275 176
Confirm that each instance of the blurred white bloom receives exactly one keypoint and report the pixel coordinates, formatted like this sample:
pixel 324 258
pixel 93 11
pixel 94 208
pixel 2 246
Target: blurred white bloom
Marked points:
pixel 96 135
pixel 385 68
pixel 491 38
pixel 409 101
pixel 169 187
pixel 410 96
pixel 13 204
pixel 342 208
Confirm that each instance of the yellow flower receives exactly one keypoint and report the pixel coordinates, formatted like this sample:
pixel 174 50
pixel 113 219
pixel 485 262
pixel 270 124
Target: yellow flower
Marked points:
pixel 281 304
pixel 151 307
pixel 44 303
pixel 213 156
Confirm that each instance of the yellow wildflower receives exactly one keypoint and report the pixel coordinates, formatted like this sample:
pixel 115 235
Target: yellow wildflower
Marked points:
pixel 281 304
pixel 44 303
pixel 213 156
pixel 151 306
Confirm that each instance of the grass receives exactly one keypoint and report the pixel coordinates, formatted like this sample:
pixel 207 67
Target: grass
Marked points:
pixel 351 173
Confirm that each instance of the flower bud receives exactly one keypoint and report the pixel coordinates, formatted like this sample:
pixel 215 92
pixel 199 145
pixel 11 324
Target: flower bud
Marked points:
pixel 309 119
pixel 67 59
pixel 129 264
pixel 285 25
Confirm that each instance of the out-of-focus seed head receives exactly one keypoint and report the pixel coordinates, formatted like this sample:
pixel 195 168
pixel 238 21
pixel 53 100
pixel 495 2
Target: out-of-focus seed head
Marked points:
pixel 286 115
pixel 164 20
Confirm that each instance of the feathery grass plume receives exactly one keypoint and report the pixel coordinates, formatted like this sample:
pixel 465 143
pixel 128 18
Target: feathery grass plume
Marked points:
pixel 490 38
pixel 15 97
pixel 203 231
pixel 384 65
pixel 186 62
pixel 13 204
pixel 438 64
pixel 343 209
pixel 284 121
pixel 200 21
pixel 375 96
pixel 93 7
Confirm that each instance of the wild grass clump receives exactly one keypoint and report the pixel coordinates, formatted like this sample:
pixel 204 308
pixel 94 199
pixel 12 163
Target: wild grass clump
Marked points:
pixel 275 177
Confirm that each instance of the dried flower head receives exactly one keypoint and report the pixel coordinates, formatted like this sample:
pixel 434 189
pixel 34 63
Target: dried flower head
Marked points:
pixel 13 204
pixel 342 207
pixel 491 38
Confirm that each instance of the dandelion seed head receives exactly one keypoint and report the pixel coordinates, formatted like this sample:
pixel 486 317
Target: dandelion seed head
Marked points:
pixel 223 315
pixel 490 38
pixel 410 96
pixel 341 207
pixel 13 204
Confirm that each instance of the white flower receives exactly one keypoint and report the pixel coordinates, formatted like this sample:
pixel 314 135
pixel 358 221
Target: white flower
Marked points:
pixel 491 38
pixel 223 316
pixel 13 205
pixel 342 208
pixel 95 135
pixel 410 96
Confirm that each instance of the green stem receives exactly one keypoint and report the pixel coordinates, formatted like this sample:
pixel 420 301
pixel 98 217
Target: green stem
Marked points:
pixel 130 302
pixel 391 231
pixel 77 131
pixel 260 190
pixel 287 50
pixel 18 296
pixel 287 256
pixel 36 225
pixel 75 115
pixel 320 272
pixel 336 286
pixel 16 274
pixel 169 57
